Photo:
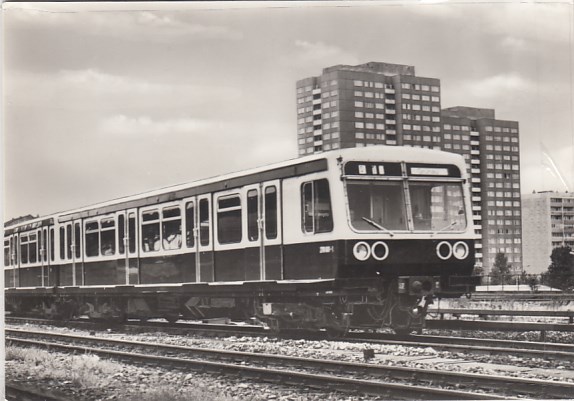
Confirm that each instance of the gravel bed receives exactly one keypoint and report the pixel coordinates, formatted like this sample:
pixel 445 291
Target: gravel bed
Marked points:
pixel 392 355
pixel 125 382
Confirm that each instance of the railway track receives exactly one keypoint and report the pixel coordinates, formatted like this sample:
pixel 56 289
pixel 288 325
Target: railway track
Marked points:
pixel 481 346
pixel 553 351
pixel 371 379
pixel 23 392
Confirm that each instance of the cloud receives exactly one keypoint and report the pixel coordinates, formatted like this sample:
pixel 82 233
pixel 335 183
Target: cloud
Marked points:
pixel 143 125
pixel 513 43
pixel 93 88
pixel 132 25
pixel 321 54
pixel 494 86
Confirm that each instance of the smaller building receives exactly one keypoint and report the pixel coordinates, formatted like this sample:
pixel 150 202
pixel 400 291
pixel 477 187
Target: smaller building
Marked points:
pixel 547 223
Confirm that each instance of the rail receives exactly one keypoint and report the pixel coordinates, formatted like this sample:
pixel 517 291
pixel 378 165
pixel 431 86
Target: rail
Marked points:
pixel 483 313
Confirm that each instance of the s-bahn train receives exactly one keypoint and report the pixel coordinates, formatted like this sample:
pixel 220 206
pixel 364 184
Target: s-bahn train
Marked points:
pixel 357 237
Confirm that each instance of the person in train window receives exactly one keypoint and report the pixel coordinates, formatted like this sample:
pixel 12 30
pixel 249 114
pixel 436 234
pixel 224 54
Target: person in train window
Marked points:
pixel 156 242
pixel 108 250
pixel 173 241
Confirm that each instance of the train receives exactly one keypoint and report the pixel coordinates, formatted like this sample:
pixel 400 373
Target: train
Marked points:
pixel 360 237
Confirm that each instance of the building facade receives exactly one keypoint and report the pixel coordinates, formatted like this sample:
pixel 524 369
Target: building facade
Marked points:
pixel 387 104
pixel 548 223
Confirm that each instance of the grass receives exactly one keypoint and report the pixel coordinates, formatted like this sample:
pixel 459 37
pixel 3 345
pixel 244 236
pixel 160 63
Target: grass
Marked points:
pixel 84 371
pixel 91 372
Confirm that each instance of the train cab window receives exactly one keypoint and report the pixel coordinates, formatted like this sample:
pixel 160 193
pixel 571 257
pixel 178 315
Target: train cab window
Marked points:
pixel 132 232
pixel 271 212
pixel 171 227
pixel 204 223
pixel 92 238
pixel 62 243
pixel 437 206
pixel 376 205
pixel 7 253
pixel 77 240
pixel 317 216
pixel 150 231
pixel 52 250
pixel 189 224
pixel 229 219
pixel 252 215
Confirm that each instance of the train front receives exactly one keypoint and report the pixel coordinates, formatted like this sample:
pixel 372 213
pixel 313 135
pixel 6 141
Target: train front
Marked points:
pixel 412 233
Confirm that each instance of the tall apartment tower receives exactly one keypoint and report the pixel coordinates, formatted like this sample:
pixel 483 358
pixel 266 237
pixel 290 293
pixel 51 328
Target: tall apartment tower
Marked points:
pixel 363 105
pixel 548 223
pixel 387 104
pixel 491 148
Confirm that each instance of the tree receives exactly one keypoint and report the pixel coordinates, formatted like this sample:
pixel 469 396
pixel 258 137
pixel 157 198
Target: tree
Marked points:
pixel 501 270
pixel 560 273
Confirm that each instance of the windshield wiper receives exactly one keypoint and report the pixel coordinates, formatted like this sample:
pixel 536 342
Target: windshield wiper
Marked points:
pixel 377 225
pixel 445 228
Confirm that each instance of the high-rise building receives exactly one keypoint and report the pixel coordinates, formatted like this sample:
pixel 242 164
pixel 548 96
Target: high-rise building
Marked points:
pixel 548 223
pixel 387 104
pixel 364 105
pixel 491 147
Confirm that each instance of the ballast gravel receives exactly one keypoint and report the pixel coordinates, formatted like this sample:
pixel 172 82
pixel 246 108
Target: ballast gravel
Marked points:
pixel 132 380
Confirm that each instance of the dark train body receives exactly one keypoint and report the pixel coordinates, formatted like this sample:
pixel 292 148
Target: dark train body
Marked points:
pixel 355 237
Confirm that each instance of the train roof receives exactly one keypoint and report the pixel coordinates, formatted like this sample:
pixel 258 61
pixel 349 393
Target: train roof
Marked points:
pixel 289 168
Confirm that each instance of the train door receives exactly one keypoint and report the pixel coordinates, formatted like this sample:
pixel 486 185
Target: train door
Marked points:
pixel 43 254
pixel 270 231
pixel 127 267
pixel 204 251
pixel 76 251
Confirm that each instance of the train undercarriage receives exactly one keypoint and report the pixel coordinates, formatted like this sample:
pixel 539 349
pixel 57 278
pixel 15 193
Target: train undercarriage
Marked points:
pixel 400 304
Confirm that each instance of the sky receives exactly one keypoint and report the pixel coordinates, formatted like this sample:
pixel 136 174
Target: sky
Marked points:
pixel 106 100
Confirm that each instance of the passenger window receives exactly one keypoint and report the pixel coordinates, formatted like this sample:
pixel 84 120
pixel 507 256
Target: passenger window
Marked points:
pixel 229 219
pixel 132 232
pixel 189 224
pixel 24 248
pixel 317 216
pixel 252 215
pixel 69 241
pixel 108 236
pixel 171 227
pixel 77 240
pixel 52 250
pixel 7 253
pixel 204 222
pixel 92 238
pixel 150 231
pixel 271 212
pixel 121 234
pixel 62 240
pixel 45 245
pixel 33 248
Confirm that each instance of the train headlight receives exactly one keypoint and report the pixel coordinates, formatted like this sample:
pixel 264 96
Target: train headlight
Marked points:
pixel 460 250
pixel 361 251
pixel 380 250
pixel 444 250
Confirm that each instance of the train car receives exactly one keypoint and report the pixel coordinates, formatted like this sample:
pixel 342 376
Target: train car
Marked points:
pixel 357 237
